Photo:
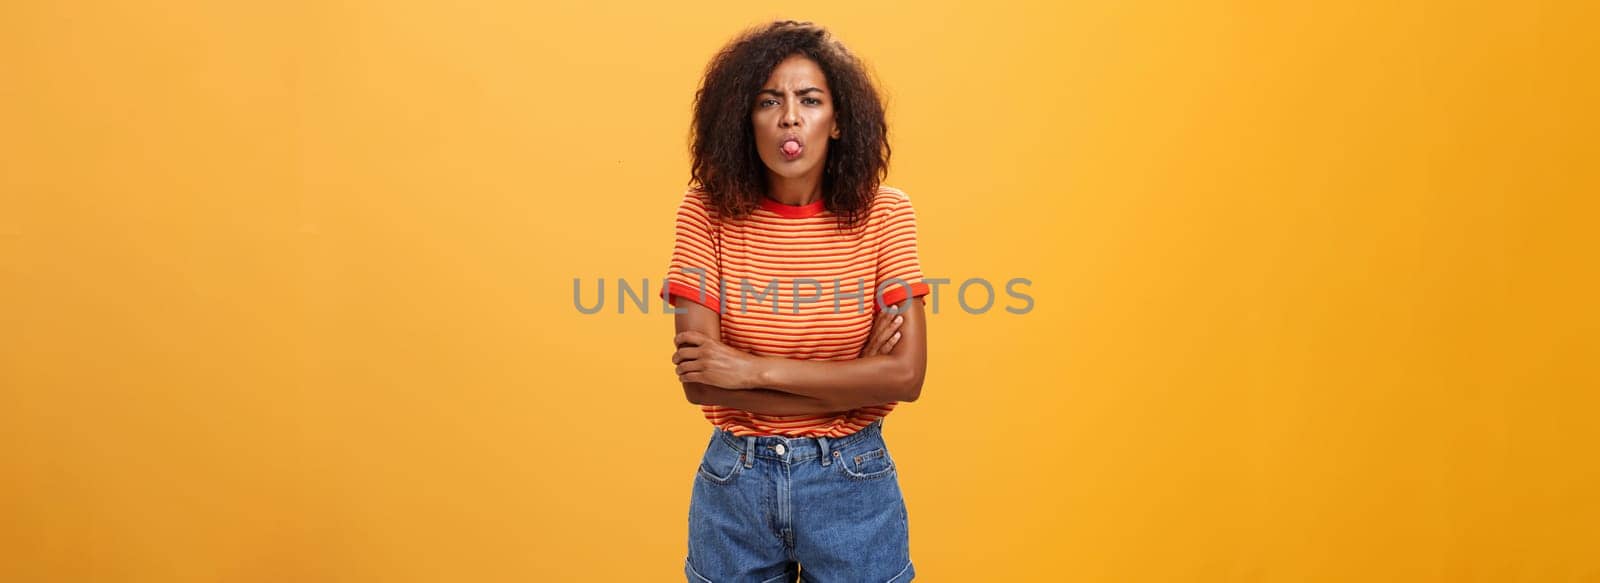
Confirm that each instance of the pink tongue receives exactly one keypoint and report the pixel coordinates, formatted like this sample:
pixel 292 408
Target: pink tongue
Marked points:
pixel 791 147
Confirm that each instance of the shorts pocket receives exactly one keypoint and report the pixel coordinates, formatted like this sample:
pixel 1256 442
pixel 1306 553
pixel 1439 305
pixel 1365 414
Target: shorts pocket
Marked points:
pixel 869 463
pixel 721 462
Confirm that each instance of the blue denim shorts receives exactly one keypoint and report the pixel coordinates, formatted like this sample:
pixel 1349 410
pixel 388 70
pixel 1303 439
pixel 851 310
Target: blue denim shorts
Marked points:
pixel 825 510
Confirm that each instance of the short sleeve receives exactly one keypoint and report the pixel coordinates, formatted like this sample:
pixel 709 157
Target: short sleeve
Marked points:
pixel 692 272
pixel 899 268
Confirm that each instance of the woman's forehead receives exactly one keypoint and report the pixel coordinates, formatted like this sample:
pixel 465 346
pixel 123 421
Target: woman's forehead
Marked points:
pixel 796 72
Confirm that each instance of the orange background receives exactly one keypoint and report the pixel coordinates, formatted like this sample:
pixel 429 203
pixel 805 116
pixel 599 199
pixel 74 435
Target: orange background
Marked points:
pixel 287 288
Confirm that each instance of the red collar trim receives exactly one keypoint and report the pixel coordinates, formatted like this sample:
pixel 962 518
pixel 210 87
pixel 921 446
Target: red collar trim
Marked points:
pixel 791 211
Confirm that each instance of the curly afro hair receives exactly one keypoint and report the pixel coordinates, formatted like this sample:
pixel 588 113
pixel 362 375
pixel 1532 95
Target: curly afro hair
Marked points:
pixel 726 164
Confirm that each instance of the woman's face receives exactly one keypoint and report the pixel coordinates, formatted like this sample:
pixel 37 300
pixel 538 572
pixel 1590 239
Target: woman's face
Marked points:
pixel 793 118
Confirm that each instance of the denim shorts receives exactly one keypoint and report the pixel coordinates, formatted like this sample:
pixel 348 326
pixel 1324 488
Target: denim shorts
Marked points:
pixel 825 510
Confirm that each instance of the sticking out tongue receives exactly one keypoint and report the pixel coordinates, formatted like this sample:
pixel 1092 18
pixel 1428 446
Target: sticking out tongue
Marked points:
pixel 791 147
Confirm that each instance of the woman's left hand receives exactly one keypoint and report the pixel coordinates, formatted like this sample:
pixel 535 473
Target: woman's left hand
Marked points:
pixel 701 359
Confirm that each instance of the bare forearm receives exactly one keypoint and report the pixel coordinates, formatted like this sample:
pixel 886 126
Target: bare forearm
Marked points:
pixel 846 384
pixel 765 401
pixel 886 372
pixel 892 376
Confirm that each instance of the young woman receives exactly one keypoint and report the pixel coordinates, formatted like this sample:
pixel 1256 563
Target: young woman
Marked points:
pixel 803 325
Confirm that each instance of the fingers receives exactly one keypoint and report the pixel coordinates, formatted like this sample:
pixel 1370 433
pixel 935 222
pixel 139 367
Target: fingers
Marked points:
pixel 884 327
pixel 686 353
pixel 690 337
pixel 875 337
pixel 689 366
pixel 693 347
pixel 891 330
pixel 888 343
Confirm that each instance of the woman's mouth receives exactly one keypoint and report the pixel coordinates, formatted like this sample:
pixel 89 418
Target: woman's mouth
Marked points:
pixel 791 148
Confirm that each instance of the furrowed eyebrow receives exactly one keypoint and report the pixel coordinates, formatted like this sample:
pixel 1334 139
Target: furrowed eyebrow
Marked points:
pixel 776 93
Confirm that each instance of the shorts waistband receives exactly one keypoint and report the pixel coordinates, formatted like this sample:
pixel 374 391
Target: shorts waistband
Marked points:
pixel 793 449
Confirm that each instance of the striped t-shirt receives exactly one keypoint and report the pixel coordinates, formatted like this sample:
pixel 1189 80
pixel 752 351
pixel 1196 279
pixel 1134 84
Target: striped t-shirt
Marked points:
pixel 794 286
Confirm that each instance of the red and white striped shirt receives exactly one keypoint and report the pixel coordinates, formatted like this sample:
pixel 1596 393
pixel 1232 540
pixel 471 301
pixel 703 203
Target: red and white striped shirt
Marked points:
pixel 785 269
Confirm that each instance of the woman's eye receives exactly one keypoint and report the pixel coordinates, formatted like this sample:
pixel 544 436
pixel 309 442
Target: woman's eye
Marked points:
pixel 814 101
pixel 766 102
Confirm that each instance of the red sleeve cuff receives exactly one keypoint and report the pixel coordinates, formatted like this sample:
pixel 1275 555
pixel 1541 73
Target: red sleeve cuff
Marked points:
pixel 896 293
pixel 691 293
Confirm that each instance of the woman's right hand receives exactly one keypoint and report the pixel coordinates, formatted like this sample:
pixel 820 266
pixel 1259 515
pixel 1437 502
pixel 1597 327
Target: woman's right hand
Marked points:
pixel 885 333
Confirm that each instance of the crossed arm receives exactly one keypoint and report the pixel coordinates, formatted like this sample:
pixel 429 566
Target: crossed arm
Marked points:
pixel 891 368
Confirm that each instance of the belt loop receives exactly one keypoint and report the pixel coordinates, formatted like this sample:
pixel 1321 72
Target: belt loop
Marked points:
pixel 822 442
pixel 749 451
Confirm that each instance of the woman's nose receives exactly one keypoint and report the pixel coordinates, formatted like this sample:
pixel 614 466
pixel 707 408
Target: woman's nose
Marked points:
pixel 791 116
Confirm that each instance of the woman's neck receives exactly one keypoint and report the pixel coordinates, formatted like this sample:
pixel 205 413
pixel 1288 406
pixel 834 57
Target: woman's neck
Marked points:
pixel 798 191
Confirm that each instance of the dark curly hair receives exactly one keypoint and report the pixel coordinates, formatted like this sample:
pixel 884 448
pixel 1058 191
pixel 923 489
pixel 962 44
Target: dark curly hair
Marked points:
pixel 726 163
